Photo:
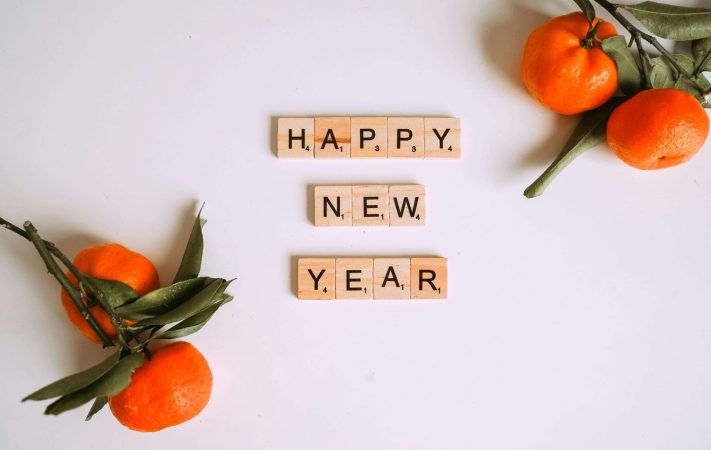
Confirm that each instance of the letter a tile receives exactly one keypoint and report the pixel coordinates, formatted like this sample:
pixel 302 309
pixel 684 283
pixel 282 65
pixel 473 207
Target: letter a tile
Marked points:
pixel 332 137
pixel 391 277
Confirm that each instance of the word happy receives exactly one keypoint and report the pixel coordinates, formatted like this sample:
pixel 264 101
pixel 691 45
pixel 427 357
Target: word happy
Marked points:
pixel 368 137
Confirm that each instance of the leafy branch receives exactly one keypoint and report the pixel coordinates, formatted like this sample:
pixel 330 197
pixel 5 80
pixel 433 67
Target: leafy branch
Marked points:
pixel 645 72
pixel 649 16
pixel 189 303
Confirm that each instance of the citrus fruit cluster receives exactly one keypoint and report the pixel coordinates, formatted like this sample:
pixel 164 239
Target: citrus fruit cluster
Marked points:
pixel 112 295
pixel 650 110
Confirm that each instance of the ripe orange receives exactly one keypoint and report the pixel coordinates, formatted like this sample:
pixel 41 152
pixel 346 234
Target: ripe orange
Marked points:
pixel 658 128
pixel 561 73
pixel 109 262
pixel 173 386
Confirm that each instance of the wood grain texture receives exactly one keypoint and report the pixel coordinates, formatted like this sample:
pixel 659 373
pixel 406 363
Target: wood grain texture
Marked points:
pixel 332 137
pixel 428 277
pixel 369 137
pixel 391 278
pixel 316 279
pixel 371 205
pixel 354 278
pixel 406 137
pixel 295 137
pixel 333 206
pixel 407 205
pixel 442 137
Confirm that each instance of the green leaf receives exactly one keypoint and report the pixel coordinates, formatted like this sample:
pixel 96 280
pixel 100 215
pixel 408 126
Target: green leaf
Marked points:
pixel 588 9
pixel 207 296
pixel 628 74
pixel 75 382
pixel 115 293
pixel 97 406
pixel 192 258
pixel 163 299
pixel 662 75
pixel 678 23
pixel 589 133
pixel 109 384
pixel 701 49
pixel 194 323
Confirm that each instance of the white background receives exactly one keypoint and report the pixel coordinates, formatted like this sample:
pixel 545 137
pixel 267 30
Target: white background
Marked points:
pixel 578 320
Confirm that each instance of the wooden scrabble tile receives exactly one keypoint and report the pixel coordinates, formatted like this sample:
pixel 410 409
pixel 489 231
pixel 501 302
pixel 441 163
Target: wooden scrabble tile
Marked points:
pixel 391 278
pixel 406 137
pixel 332 137
pixel 371 205
pixel 369 137
pixel 407 205
pixel 316 279
pixel 442 137
pixel 354 278
pixel 428 277
pixel 333 206
pixel 295 137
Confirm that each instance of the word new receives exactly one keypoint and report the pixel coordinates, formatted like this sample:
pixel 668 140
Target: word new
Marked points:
pixel 369 205
pixel 368 137
pixel 372 278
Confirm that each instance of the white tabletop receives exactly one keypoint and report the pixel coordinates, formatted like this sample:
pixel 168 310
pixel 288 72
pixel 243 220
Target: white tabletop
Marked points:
pixel 578 320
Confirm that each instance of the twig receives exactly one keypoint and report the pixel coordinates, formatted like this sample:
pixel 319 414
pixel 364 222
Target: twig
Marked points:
pixel 99 296
pixel 644 57
pixel 93 296
pixel 54 269
pixel 50 246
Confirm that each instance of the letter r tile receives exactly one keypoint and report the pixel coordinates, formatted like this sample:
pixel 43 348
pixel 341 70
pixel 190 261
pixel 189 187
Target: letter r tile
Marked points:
pixel 428 278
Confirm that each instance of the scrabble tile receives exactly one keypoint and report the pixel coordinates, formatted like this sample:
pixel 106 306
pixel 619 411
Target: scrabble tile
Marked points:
pixel 332 137
pixel 371 206
pixel 316 279
pixel 369 137
pixel 333 206
pixel 391 278
pixel 295 137
pixel 406 137
pixel 407 205
pixel 442 137
pixel 428 277
pixel 354 278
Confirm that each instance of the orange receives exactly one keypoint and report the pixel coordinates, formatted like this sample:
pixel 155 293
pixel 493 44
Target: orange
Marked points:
pixel 171 387
pixel 109 262
pixel 561 73
pixel 658 128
